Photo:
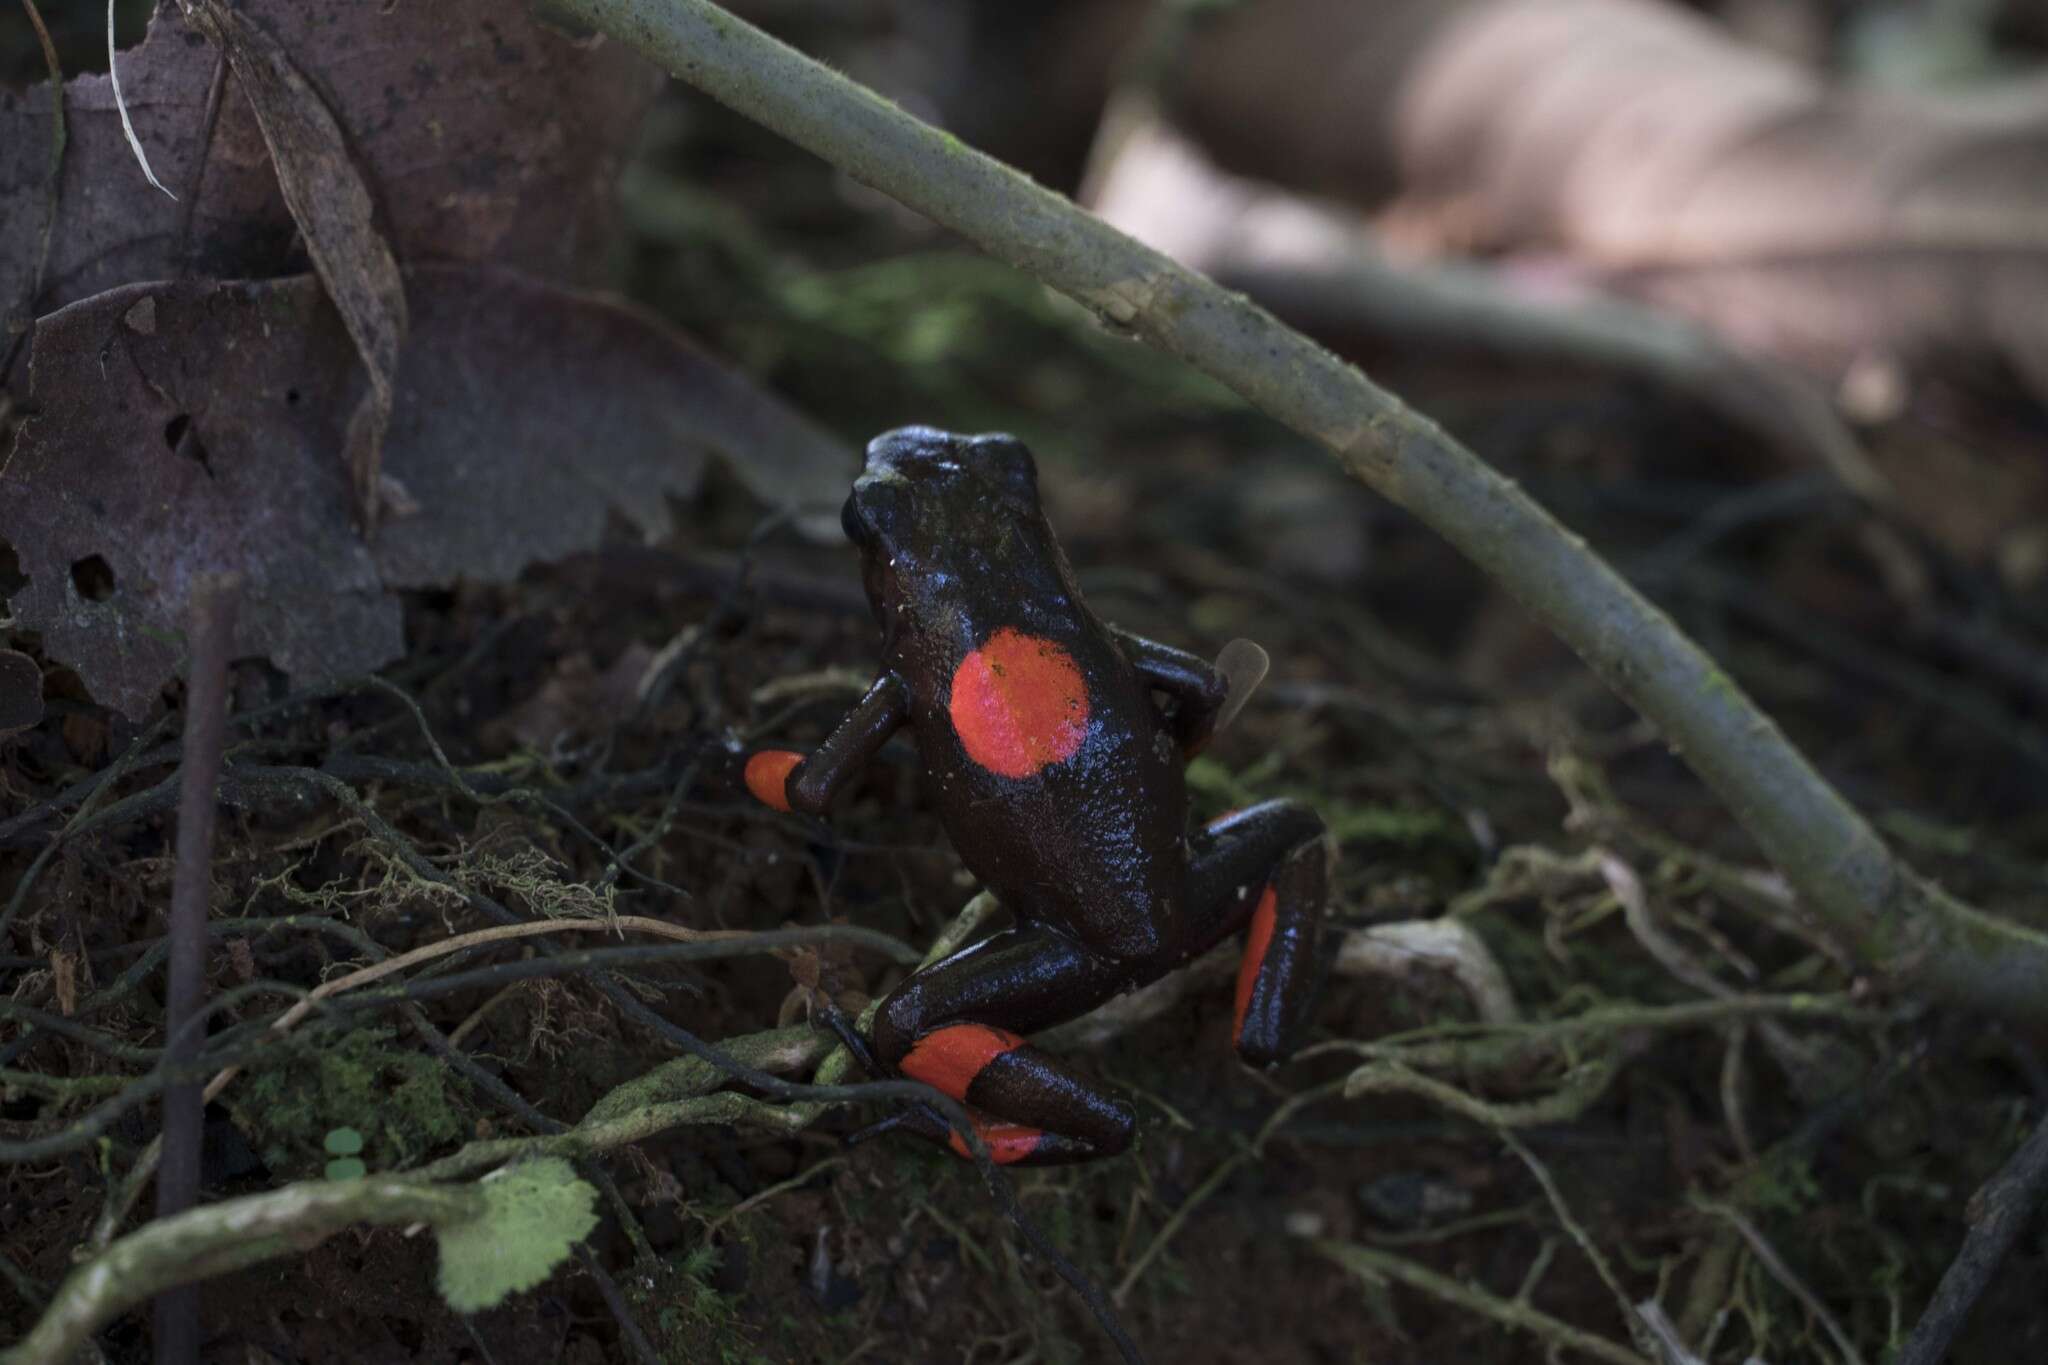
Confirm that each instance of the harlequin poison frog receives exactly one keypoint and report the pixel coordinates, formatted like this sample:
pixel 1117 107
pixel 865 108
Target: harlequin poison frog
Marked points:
pixel 1057 744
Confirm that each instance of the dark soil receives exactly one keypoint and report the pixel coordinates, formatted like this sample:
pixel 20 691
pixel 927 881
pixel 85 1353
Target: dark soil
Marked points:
pixel 1437 729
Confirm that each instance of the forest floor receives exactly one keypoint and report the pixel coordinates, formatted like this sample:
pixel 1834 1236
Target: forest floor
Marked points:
pixel 1772 1177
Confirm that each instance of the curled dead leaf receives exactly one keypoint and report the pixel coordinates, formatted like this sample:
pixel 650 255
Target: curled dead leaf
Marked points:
pixel 486 135
pixel 1816 220
pixel 336 216
pixel 525 416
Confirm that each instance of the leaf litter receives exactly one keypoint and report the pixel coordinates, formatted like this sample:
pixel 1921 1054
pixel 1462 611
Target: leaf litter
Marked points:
pixel 256 423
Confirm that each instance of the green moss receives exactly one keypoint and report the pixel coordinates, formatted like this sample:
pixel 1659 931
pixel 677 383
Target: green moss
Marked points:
pixel 1718 684
pixel 399 1102
pixel 691 1321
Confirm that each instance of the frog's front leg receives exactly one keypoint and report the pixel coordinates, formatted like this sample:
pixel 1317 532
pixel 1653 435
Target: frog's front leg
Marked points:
pixel 788 780
pixel 1263 869
pixel 958 1026
pixel 1199 691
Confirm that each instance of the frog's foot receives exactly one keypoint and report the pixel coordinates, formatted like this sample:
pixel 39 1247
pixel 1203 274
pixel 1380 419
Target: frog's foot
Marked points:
pixel 925 1118
pixel 1007 1143
pixel 852 1039
pixel 1265 870
pixel 951 1024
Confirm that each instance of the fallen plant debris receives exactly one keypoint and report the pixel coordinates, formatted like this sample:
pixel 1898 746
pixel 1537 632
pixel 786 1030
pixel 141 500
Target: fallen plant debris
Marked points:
pixel 1798 215
pixel 501 147
pixel 190 428
pixel 486 416
pixel 1593 1078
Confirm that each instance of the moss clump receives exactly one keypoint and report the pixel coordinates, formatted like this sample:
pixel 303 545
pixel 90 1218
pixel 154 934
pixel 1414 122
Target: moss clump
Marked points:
pixel 691 1320
pixel 400 1102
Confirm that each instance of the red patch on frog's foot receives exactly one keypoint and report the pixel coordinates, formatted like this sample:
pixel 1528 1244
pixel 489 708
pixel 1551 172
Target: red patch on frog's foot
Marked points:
pixel 1019 704
pixel 1256 941
pixel 949 1058
pixel 768 776
pixel 1006 1142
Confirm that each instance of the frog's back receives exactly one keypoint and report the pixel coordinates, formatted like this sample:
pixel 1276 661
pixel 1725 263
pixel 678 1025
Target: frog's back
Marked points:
pixel 1059 783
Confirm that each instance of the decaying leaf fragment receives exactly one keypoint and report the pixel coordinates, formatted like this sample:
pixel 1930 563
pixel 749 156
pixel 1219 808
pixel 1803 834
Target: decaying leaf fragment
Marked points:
pixel 188 428
pixel 1815 220
pixel 486 136
pixel 336 217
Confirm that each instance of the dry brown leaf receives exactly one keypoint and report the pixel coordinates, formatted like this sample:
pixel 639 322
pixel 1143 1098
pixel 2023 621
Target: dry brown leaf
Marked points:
pixel 1322 270
pixel 186 428
pixel 336 217
pixel 1822 222
pixel 485 135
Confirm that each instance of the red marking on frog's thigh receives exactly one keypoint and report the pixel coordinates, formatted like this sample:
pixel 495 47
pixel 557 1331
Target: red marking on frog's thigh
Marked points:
pixel 1256 941
pixel 949 1058
pixel 1019 704
pixel 1006 1142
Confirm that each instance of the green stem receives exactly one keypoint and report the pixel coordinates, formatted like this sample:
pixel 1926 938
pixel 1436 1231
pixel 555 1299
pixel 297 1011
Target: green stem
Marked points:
pixel 218 1238
pixel 1845 875
pixel 1374 1266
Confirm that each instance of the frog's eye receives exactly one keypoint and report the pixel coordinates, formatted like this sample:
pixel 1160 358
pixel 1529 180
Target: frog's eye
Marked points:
pixel 1010 460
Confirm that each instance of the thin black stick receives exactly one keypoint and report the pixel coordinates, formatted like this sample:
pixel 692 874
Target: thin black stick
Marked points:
pixel 177 1184
pixel 1998 1213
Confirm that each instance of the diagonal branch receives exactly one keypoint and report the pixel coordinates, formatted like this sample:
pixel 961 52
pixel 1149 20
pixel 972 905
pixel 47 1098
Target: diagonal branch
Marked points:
pixel 1894 921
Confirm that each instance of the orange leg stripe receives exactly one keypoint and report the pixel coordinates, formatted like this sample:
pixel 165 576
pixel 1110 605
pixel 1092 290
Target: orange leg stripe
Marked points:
pixel 1256 941
pixel 768 776
pixel 950 1058
pixel 1006 1142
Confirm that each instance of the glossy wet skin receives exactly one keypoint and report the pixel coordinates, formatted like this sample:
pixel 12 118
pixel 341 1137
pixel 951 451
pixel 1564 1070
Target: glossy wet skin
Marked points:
pixel 956 552
pixel 1055 748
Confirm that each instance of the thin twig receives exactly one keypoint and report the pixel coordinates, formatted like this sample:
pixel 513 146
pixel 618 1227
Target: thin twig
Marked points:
pixel 1767 1255
pixel 365 976
pixel 760 1197
pixel 622 1312
pixel 1372 1264
pixel 1997 1214
pixel 121 103
pixel 1224 1170
pixel 1578 1233
pixel 214 599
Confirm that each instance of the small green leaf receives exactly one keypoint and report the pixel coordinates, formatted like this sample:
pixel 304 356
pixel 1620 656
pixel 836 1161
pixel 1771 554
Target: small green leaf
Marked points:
pixel 346 1168
pixel 533 1213
pixel 344 1142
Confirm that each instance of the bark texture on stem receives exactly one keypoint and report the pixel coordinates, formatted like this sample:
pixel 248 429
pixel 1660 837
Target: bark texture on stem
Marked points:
pixel 1998 1214
pixel 176 1317
pixel 1844 873
pixel 223 1237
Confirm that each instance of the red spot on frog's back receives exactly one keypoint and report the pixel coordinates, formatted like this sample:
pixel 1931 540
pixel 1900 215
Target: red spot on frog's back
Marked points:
pixel 1019 704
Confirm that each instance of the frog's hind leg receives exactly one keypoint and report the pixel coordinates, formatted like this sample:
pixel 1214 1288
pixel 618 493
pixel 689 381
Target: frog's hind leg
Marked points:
pixel 1264 869
pixel 958 1026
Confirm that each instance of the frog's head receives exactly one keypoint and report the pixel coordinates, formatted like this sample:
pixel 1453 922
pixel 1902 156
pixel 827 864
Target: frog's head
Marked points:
pixel 929 499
